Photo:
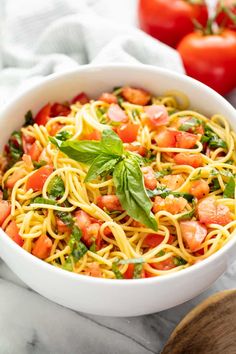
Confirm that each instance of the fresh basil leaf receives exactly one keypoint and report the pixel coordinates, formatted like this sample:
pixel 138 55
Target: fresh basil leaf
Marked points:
pixel 63 135
pixel 161 253
pixel 41 200
pixel 214 185
pixel 92 248
pixel 29 120
pixel 178 261
pixel 56 187
pixel 5 194
pixel 190 124
pixel 164 192
pixel 138 267
pixel 14 147
pixel 79 251
pixel 128 180
pixel 78 248
pixel 39 164
pixel 101 164
pixel 65 217
pixel 163 173
pixel 187 216
pixel 68 264
pixel 212 139
pixel 116 270
pixel 131 261
pixel 111 143
pixel 229 191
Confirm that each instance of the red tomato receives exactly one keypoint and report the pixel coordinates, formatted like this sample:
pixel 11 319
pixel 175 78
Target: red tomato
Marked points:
pixel 59 109
pixel 128 132
pixel 61 226
pixel 27 142
pixel 193 234
pixel 35 151
pixel 153 240
pixel 43 115
pixel 164 265
pixel 194 160
pixel 38 178
pixel 95 135
pixel 5 210
pixel 149 177
pixel 171 204
pixel 110 202
pixel 137 147
pixel 42 247
pixel 224 18
pixel 116 114
pixel 12 231
pixel 210 212
pixel 129 274
pixel 17 174
pixel 81 98
pixel 108 98
pixel 82 219
pixel 136 95
pixel 94 270
pixel 55 127
pixel 156 116
pixel 91 235
pixel 166 137
pixel 199 189
pixel 173 181
pixel 211 59
pixel 170 20
pixel 186 140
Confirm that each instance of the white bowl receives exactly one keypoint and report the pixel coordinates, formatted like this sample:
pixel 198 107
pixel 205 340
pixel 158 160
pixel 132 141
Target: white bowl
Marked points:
pixel 105 296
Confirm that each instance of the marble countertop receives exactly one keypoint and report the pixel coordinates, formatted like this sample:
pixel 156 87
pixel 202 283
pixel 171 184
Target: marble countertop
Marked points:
pixel 29 323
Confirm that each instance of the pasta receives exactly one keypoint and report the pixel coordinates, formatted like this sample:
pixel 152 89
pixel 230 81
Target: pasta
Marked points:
pixel 126 186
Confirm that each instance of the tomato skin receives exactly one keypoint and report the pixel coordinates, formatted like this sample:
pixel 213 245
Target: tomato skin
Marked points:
pixel 193 234
pixel 156 116
pixel 194 160
pixel 108 98
pixel 110 202
pixel 166 137
pixel 61 226
pixel 129 274
pixel 27 142
pixel 42 247
pixel 12 231
pixel 17 174
pixel 116 114
pixel 153 240
pixel 128 132
pixel 223 18
pixel 59 109
pixel 82 98
pixel 162 18
pixel 38 178
pixel 149 177
pixel 43 115
pixel 136 95
pixel 211 59
pixel 199 189
pixel 173 181
pixel 171 204
pixel 210 212
pixel 5 210
pixel 186 140
pixel 90 228
pixel 137 147
pixel 35 151
pixel 164 265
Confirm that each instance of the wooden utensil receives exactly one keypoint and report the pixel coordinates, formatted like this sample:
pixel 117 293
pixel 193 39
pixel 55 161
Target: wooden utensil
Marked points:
pixel 210 328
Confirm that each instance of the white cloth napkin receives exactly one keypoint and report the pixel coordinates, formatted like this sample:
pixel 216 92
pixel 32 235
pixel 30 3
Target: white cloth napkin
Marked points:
pixel 43 37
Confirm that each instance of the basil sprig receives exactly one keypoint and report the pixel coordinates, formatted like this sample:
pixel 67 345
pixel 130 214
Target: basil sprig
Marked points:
pixel 229 191
pixel 108 156
pixel 164 192
pixel 213 140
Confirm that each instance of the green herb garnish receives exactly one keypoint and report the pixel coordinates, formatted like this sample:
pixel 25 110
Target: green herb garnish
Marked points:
pixel 56 188
pixel 190 124
pixel 178 261
pixel 229 191
pixel 41 200
pixel 29 120
pixel 213 140
pixel 164 192
pixel 63 135
pixel 39 164
pixel 116 270
pixel 65 217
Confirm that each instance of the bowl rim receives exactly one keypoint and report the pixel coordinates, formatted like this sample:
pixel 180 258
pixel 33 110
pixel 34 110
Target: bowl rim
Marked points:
pixel 117 282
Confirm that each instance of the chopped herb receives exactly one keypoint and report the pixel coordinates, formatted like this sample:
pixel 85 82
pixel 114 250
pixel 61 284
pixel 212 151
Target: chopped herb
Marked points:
pixel 14 148
pixel 56 187
pixel 135 114
pixel 138 267
pixel 41 200
pixel 229 191
pixel 92 248
pixel 5 194
pixel 63 135
pixel 164 192
pixel 68 265
pixel 187 216
pixel 178 261
pixel 39 164
pixel 65 217
pixel 29 120
pixel 163 173
pixel 214 185
pixel 213 140
pixel 161 253
pixel 78 248
pixel 116 270
pixel 197 176
pixel 101 114
pixel 120 100
pixel 190 124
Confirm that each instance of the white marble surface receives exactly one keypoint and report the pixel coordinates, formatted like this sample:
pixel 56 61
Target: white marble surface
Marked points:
pixel 30 323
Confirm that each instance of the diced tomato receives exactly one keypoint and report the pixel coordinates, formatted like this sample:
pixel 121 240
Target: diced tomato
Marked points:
pixel 211 212
pixel 186 140
pixel 153 240
pixel 108 98
pixel 116 114
pixel 107 232
pixel 194 160
pixel 55 127
pixel 42 247
pixel 164 265
pixel 149 177
pixel 137 147
pixel 128 132
pixel 61 226
pixel 82 219
pixel 59 109
pixel 43 115
pixel 198 129
pixel 28 162
pixel 110 202
pixel 27 142
pixel 193 234
pixel 91 235
pixel 136 96
pixel 81 98
pixel 38 178
pixel 93 270
pixel 166 137
pixel 173 181
pixel 35 151
pixel 199 189
pixel 12 231
pixel 156 116
pixel 129 274
pixel 5 210
pixel 94 135
pixel 171 204
pixel 12 179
